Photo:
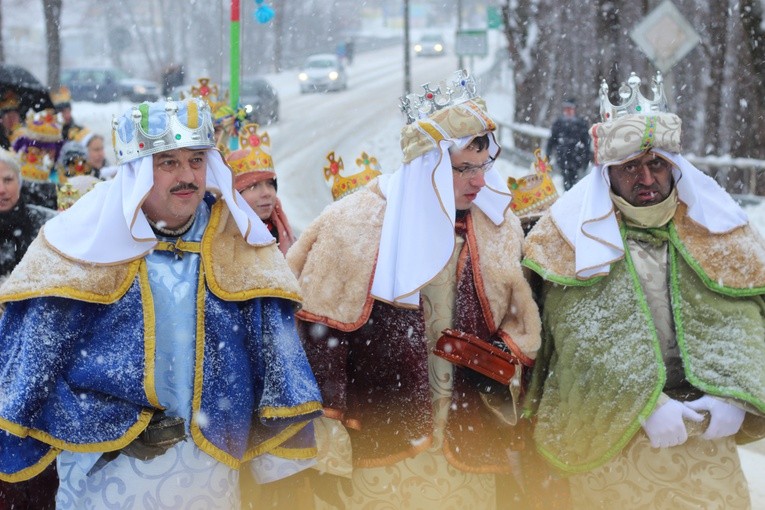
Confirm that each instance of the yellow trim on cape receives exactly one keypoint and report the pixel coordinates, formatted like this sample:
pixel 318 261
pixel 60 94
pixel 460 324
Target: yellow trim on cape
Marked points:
pixel 33 470
pixel 149 337
pixel 295 453
pixel 289 412
pixel 103 446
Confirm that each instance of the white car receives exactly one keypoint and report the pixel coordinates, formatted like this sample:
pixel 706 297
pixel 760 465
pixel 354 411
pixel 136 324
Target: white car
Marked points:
pixel 322 72
pixel 430 45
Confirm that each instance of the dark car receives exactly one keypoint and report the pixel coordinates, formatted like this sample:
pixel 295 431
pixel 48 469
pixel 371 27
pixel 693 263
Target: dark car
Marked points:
pixel 261 96
pixel 103 85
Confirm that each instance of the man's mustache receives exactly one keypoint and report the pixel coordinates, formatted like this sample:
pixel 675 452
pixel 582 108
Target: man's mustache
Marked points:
pixel 184 186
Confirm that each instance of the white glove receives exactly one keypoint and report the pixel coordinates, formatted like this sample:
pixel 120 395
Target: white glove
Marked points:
pixel 725 419
pixel 665 426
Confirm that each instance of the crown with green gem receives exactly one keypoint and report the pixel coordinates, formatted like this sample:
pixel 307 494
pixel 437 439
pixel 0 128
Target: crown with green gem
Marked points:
pixel 150 128
pixel 633 102
pixel 459 88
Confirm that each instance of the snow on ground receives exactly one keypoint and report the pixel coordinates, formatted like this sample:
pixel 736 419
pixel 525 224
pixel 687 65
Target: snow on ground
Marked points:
pixel 365 118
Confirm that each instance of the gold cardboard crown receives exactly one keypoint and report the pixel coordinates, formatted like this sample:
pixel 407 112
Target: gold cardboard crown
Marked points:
pixel 66 196
pixel 61 96
pixel 43 126
pixel 341 185
pixel 211 94
pixel 254 154
pixel 535 192
pixel 9 100
pixel 35 164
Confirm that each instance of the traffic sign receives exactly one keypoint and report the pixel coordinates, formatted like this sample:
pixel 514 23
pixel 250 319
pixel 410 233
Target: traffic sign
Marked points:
pixel 471 43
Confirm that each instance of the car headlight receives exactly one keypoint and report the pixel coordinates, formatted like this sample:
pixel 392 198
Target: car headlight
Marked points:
pixel 438 47
pixel 302 77
pixel 418 48
pixel 333 75
pixel 139 89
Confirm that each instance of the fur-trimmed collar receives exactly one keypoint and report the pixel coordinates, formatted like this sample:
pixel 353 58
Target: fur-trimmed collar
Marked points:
pixel 234 270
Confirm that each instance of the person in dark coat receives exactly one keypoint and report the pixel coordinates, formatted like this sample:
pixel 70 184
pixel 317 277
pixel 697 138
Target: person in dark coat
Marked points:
pixel 569 142
pixel 19 224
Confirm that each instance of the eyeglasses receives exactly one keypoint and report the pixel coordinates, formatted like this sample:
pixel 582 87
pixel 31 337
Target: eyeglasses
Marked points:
pixel 469 171
pixel 653 163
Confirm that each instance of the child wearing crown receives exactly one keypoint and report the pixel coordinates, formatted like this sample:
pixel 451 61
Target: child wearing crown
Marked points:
pixel 652 366
pixel 385 271
pixel 141 354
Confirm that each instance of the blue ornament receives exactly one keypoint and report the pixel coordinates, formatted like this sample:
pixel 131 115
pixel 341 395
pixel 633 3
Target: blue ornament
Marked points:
pixel 264 14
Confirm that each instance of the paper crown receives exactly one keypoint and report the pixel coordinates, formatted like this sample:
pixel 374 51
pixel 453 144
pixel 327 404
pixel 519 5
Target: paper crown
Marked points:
pixel 211 94
pixel 61 97
pixel 460 87
pixel 66 196
pixel 341 185
pixel 150 128
pixel 43 126
pixel 254 154
pixel 9 101
pixel 72 161
pixel 535 192
pixel 632 100
pixel 36 164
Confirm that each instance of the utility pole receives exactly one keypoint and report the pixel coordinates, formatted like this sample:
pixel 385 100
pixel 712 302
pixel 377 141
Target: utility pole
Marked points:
pixel 460 61
pixel 407 61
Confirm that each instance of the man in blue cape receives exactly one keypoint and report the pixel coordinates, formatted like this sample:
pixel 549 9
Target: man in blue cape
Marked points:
pixel 148 343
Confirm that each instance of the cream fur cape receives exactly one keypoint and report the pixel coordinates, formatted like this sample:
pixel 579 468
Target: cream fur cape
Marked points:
pixel 234 270
pixel 734 260
pixel 335 257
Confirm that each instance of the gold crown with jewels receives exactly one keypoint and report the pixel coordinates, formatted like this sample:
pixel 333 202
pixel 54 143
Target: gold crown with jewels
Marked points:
pixel 150 128
pixel 254 154
pixel 342 185
pixel 44 126
pixel 535 192
pixel 459 88
pixel 633 102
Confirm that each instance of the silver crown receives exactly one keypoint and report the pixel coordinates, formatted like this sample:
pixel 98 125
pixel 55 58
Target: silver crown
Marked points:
pixel 461 87
pixel 632 100
pixel 131 141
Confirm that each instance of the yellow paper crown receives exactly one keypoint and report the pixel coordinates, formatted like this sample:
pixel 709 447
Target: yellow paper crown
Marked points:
pixel 61 96
pixel 66 196
pixel 35 164
pixel 210 93
pixel 254 154
pixel 43 126
pixel 9 101
pixel 341 185
pixel 535 192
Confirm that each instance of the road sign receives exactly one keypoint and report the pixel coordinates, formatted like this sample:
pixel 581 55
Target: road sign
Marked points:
pixel 493 17
pixel 471 43
pixel 665 36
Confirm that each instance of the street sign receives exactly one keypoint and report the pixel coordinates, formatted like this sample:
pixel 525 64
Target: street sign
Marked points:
pixel 665 36
pixel 471 43
pixel 493 17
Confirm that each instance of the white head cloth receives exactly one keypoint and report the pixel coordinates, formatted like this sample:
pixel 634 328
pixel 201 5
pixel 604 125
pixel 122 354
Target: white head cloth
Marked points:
pixel 107 225
pixel 418 227
pixel 586 216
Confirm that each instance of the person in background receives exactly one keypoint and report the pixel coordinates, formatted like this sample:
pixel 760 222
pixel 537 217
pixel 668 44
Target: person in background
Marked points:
pixel 62 101
pixel 38 145
pixel 394 270
pixel 569 143
pixel 10 118
pixel 653 360
pixel 19 225
pixel 255 180
pixel 94 145
pixel 167 366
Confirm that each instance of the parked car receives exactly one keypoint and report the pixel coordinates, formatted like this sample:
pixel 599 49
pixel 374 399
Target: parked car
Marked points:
pixel 261 95
pixel 430 45
pixel 102 85
pixel 322 72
